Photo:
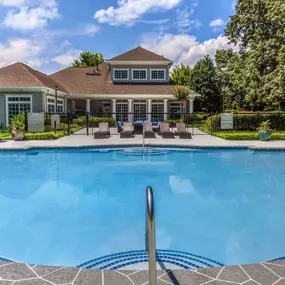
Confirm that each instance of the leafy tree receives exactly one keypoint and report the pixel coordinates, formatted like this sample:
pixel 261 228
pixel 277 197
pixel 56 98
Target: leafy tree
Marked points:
pixel 205 81
pixel 258 29
pixel 88 59
pixel 181 75
pixel 229 66
pixel 181 94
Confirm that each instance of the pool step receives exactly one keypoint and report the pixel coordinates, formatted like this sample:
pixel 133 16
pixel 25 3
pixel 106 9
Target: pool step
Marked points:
pixel 140 151
pixel 166 259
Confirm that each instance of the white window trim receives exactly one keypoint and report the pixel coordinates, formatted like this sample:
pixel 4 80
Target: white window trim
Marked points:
pixel 157 69
pixel 7 96
pixel 119 79
pixel 139 69
pixel 58 104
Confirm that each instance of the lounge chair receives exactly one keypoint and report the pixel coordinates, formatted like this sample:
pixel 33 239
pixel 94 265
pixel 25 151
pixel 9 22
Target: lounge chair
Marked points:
pixel 120 126
pixel 148 132
pixel 128 131
pixel 182 132
pixel 156 127
pixel 165 131
pixel 103 132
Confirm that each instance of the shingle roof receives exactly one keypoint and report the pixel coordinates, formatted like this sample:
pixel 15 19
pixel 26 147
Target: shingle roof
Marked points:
pixel 77 81
pixel 139 54
pixel 21 75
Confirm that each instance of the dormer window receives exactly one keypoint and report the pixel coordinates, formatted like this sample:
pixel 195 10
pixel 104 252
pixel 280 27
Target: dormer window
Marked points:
pixel 139 74
pixel 121 74
pixel 157 74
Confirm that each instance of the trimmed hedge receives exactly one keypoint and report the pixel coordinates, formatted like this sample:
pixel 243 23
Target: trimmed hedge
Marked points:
pixel 45 136
pixel 94 121
pixel 247 135
pixel 247 122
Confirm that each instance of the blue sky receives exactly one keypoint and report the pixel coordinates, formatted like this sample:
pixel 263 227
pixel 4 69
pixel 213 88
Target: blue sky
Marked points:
pixel 49 34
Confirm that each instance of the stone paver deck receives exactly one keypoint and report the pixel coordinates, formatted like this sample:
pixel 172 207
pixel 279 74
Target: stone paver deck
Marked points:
pixel 267 273
pixel 201 141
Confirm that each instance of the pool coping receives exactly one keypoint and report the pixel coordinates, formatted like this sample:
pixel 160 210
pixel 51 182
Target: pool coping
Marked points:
pixel 266 273
pixel 164 146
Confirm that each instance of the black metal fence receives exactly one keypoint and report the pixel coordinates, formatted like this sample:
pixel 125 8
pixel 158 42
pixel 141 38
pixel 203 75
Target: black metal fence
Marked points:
pixel 197 123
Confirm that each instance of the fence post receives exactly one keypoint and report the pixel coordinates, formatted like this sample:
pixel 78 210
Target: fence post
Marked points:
pixel 68 124
pixel 87 124
pixel 211 124
pixel 26 121
pixel 55 126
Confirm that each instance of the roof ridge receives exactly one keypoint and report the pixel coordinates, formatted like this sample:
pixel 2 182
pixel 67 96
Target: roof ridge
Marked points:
pixel 26 67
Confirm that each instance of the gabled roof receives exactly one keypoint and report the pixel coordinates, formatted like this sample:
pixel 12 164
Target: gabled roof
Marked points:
pixel 140 54
pixel 77 80
pixel 21 75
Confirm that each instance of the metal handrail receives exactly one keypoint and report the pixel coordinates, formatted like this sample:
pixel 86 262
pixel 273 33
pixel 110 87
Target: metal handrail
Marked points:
pixel 150 236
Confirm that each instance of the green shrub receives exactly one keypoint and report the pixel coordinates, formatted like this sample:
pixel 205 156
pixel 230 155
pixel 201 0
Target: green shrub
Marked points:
pixel 5 136
pixel 94 121
pixel 248 122
pixel 247 135
pixel 44 136
pixel 17 123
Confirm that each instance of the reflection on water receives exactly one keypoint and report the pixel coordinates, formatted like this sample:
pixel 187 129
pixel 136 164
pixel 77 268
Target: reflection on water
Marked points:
pixel 65 207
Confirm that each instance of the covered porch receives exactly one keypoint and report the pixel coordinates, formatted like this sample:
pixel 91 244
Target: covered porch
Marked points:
pixel 133 109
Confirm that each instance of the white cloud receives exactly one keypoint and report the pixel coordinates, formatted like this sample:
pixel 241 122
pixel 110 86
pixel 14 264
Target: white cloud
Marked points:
pixel 184 23
pixel 28 18
pixel 154 22
pixel 24 50
pixel 234 3
pixel 14 3
pixel 129 11
pixel 88 29
pixel 184 48
pixel 67 58
pixel 217 24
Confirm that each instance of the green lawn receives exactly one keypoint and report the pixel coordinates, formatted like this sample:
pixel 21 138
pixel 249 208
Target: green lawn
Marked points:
pixel 233 135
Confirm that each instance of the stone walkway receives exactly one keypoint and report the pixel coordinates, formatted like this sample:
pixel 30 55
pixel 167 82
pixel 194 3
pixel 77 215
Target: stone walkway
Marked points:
pixel 267 273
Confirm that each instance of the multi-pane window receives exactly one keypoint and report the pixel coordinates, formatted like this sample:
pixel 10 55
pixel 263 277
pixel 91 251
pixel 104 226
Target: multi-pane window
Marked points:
pixel 157 110
pixel 139 110
pixel 174 108
pixel 51 105
pixel 17 105
pixel 122 74
pixel 122 110
pixel 158 74
pixel 139 74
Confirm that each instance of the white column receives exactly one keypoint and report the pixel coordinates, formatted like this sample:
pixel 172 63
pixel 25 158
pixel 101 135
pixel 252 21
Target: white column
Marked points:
pixel 114 108
pixel 88 105
pixel 149 109
pixel 191 106
pixel 130 109
pixel 165 109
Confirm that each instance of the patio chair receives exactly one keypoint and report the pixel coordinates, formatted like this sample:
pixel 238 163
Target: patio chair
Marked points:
pixel 148 132
pixel 182 132
pixel 156 127
pixel 127 132
pixel 103 132
pixel 120 126
pixel 165 131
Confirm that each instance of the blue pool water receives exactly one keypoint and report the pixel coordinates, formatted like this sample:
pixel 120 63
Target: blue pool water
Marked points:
pixel 65 207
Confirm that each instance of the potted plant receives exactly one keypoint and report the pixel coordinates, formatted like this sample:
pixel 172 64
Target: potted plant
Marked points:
pixel 264 131
pixel 17 127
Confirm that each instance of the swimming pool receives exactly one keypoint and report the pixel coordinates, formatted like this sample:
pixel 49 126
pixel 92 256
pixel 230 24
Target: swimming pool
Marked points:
pixel 68 207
